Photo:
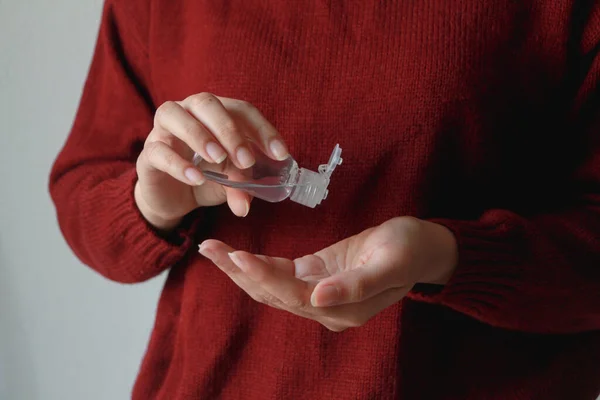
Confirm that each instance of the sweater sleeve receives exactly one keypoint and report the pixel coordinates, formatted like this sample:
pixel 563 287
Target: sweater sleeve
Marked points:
pixel 538 273
pixel 92 180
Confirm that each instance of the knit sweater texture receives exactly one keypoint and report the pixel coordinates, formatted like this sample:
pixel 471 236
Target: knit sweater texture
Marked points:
pixel 483 116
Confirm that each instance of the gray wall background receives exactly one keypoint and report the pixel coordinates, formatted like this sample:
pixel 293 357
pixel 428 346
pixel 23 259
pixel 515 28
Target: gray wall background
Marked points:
pixel 65 332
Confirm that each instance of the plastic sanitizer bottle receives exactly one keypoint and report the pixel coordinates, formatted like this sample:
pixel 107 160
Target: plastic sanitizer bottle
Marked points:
pixel 275 181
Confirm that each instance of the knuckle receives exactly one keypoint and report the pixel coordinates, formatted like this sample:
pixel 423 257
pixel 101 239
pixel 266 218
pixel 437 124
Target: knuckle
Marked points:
pixel 151 136
pixel 169 160
pixel 191 131
pixel 163 111
pixel 152 151
pixel 140 162
pixel 263 127
pixel 201 100
pixel 412 222
pixel 159 136
pixel 406 254
pixel 244 106
pixel 227 131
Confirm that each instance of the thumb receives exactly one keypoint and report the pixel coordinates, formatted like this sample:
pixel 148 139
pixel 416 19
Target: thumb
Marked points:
pixel 238 201
pixel 353 286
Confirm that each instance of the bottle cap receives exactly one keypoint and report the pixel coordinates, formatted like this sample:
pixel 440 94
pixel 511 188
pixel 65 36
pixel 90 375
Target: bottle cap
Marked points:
pixel 334 161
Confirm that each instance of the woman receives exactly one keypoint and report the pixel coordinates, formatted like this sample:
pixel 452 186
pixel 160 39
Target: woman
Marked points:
pixel 457 255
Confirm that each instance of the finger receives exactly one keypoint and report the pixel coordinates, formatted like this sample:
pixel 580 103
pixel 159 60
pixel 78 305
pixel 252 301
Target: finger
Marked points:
pixel 238 201
pixel 264 131
pixel 278 262
pixel 311 268
pixel 273 276
pixel 172 117
pixel 159 156
pixel 218 252
pixel 212 193
pixel 353 286
pixel 209 110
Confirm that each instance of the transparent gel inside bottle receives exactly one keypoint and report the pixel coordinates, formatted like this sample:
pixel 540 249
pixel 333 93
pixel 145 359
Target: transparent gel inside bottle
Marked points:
pixel 275 181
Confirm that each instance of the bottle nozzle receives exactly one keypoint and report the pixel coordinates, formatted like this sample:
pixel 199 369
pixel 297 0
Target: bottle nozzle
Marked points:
pixel 311 187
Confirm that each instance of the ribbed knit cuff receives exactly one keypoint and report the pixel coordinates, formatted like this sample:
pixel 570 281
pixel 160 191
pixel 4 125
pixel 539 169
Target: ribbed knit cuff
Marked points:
pixel 143 253
pixel 488 272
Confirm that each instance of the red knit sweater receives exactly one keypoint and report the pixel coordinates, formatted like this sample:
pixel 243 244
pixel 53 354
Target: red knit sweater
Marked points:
pixel 481 115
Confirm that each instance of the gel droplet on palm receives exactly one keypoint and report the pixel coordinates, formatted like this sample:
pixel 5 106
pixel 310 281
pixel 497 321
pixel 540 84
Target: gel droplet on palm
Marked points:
pixel 275 181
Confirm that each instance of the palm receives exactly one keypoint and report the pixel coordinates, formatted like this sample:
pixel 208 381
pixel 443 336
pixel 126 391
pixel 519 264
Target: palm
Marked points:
pixel 292 285
pixel 373 245
pixel 345 284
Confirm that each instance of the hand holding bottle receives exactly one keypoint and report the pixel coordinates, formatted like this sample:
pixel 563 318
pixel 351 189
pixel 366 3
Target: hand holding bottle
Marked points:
pixel 170 186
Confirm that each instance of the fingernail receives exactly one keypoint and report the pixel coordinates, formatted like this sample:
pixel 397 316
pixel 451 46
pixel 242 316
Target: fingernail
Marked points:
pixel 246 267
pixel 194 176
pixel 328 296
pixel 245 157
pixel 235 259
pixel 247 209
pixel 278 149
pixel 216 152
pixel 205 252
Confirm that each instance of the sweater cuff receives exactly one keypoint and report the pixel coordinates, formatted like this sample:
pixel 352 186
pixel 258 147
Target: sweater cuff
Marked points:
pixel 488 273
pixel 145 252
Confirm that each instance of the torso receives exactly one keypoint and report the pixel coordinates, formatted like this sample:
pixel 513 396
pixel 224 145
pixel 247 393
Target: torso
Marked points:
pixel 436 106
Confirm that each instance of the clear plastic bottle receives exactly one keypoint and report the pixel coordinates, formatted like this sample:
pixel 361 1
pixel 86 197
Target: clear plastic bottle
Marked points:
pixel 275 181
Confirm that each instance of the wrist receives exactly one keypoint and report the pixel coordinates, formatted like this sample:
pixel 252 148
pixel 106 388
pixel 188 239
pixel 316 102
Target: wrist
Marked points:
pixel 159 223
pixel 442 249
